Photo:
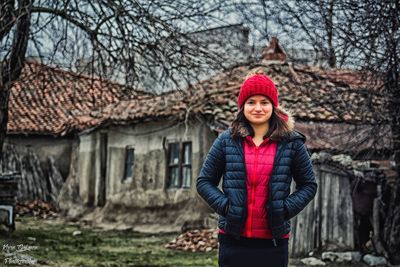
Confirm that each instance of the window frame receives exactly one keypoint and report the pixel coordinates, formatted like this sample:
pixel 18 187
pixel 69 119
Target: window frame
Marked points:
pixel 125 178
pixel 180 164
pixel 186 165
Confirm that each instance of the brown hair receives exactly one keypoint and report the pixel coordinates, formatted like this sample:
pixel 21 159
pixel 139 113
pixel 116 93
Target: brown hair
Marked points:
pixel 279 126
pixel 251 73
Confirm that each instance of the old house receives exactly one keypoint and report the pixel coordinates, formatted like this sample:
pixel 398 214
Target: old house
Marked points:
pixel 141 161
pixel 49 106
pixel 47 109
pixel 134 159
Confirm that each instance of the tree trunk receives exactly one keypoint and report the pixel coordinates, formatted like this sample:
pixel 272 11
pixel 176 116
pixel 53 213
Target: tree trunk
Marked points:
pixel 11 67
pixel 3 116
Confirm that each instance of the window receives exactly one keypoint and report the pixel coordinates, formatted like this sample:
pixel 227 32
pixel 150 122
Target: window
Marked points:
pixel 180 165
pixel 129 163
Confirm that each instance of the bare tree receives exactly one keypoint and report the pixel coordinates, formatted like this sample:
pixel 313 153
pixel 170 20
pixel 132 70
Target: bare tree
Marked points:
pixel 131 37
pixel 310 24
pixel 372 29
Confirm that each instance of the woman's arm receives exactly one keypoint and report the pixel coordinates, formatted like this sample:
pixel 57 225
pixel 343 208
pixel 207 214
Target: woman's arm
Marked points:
pixel 210 176
pixel 306 186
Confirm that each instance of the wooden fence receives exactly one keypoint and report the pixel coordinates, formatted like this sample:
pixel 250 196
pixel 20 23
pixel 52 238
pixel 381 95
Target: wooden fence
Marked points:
pixel 327 222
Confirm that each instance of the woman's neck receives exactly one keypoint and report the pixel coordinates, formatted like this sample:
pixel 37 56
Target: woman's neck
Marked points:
pixel 260 130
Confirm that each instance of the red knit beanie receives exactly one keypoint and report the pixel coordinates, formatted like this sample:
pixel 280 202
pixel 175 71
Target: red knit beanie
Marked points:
pixel 258 84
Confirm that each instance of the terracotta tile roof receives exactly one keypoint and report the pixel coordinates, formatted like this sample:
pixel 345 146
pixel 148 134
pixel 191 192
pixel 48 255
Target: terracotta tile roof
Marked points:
pixel 47 100
pixel 309 95
pixel 78 103
pixel 353 79
pixel 333 114
pixel 309 98
pixel 360 140
pixel 170 106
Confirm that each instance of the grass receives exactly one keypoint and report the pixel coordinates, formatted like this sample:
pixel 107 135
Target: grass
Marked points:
pixel 58 247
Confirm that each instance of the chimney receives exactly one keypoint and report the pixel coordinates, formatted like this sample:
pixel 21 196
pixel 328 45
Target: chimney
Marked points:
pixel 274 51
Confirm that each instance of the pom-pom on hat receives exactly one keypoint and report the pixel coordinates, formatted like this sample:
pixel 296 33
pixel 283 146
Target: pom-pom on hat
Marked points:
pixel 258 84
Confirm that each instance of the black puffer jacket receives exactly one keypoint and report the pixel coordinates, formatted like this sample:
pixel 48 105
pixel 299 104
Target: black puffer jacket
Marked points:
pixel 225 159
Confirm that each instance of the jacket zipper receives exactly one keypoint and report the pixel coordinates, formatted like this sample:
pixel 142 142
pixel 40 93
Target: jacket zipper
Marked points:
pixel 253 192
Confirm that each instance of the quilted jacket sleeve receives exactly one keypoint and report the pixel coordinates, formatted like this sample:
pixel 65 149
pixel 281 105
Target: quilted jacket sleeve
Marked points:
pixel 306 186
pixel 210 176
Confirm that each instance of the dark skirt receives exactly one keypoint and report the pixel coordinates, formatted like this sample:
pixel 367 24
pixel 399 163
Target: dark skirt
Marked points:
pixel 252 252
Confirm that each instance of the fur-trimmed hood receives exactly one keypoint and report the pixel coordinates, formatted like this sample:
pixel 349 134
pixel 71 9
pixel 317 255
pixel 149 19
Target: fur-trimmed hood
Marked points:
pixel 283 132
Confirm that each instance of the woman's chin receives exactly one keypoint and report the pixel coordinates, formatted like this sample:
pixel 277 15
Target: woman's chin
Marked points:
pixel 258 122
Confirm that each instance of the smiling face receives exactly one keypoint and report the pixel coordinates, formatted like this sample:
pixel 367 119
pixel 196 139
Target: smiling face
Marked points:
pixel 258 109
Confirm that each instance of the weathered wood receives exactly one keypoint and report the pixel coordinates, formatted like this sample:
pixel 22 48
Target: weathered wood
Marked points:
pixel 35 182
pixel 376 238
pixel 327 222
pixel 55 182
pixel 391 226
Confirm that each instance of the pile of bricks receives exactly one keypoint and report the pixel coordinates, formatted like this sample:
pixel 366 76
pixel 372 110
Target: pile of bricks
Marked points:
pixel 37 208
pixel 195 240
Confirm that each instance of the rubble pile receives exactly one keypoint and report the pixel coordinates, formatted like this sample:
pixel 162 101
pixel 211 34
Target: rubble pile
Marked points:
pixel 195 240
pixel 37 208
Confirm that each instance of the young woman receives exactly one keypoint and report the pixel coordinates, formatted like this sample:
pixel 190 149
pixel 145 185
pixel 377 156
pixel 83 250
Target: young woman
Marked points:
pixel 257 158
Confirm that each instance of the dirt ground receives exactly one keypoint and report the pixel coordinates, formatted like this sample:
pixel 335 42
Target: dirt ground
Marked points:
pixel 53 242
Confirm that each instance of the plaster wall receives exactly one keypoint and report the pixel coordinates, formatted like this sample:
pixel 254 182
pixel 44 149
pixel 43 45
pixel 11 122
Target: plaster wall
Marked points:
pixel 148 188
pixel 150 142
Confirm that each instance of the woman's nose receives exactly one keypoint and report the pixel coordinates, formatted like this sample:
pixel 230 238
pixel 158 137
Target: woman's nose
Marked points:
pixel 258 107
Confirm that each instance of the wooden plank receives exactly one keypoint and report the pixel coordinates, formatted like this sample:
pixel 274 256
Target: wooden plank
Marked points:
pixel 325 207
pixel 328 220
pixel 317 211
